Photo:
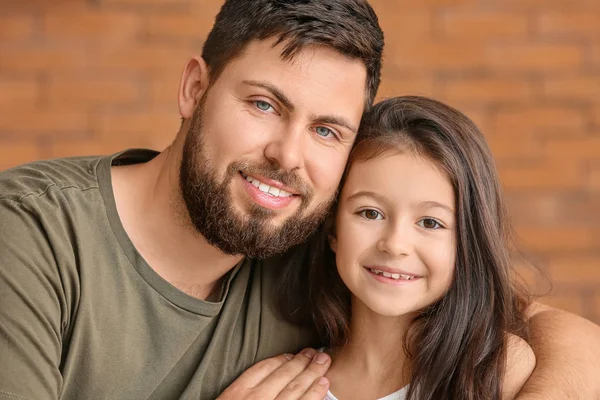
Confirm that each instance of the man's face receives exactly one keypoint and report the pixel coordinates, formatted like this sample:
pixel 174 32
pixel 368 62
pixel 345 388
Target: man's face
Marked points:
pixel 267 146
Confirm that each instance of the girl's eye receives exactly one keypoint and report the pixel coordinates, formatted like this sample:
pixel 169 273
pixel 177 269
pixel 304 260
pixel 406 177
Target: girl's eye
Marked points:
pixel 323 131
pixel 429 223
pixel 371 214
pixel 262 105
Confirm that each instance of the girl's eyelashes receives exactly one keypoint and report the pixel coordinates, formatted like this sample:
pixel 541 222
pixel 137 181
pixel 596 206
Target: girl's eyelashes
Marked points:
pixel 427 222
pixel 430 223
pixel 371 214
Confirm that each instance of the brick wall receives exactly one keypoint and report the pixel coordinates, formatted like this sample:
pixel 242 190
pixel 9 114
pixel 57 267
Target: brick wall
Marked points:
pixel 95 76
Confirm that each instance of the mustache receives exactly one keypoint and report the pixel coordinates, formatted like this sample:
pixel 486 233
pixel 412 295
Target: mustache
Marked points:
pixel 270 171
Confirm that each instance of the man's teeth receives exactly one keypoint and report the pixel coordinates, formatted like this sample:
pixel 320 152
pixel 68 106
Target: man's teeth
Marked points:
pixel 392 276
pixel 263 187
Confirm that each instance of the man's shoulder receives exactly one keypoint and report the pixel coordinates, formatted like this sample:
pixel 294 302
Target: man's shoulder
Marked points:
pixel 38 177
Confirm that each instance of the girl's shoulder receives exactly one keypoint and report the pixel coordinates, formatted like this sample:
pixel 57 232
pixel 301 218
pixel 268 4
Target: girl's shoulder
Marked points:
pixel 520 363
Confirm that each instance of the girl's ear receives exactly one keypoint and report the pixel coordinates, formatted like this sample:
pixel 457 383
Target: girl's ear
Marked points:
pixel 332 242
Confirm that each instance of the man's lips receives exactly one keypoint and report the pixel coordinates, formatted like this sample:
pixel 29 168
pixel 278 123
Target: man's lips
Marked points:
pixel 267 196
pixel 270 182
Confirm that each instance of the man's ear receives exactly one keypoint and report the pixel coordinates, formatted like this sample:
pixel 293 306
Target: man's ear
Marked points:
pixel 332 242
pixel 194 82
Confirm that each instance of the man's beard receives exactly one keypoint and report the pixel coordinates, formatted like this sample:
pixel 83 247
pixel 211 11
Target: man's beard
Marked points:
pixel 209 203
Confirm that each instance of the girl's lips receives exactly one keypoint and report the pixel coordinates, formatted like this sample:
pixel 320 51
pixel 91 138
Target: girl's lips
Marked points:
pixel 395 279
pixel 391 270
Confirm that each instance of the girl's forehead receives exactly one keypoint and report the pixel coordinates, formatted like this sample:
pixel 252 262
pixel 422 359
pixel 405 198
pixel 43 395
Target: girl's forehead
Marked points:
pixel 399 175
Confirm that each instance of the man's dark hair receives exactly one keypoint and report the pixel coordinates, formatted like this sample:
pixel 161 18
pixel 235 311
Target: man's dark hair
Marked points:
pixel 348 26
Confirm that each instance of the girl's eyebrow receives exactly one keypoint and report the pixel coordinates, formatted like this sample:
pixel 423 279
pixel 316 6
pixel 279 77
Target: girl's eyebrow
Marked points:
pixel 383 199
pixel 435 204
pixel 366 193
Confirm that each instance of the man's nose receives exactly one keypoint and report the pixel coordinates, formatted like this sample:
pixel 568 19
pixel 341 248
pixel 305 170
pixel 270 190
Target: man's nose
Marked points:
pixel 396 240
pixel 286 150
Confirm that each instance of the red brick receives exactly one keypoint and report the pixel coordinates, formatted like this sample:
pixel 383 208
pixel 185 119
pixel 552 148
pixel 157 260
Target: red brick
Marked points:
pixel 595 114
pixel 397 6
pixel 549 4
pixel 72 148
pixel 82 92
pixel 478 115
pixel 483 25
pixel 561 24
pixel 572 88
pixel 543 175
pixel 575 270
pixel 553 209
pixel 85 25
pixel 399 85
pixel 595 178
pixel 535 119
pixel 159 59
pixel 16 153
pixel 429 56
pixel 194 26
pixel 503 149
pixel 14 28
pixel 531 274
pixel 418 22
pixel 595 55
pixel 32 58
pixel 32 122
pixel 146 3
pixel 37 6
pixel 534 57
pixel 487 90
pixel 550 240
pixel 18 92
pixel 160 127
pixel 572 148
pixel 572 303
pixel 164 92
pixel 595 306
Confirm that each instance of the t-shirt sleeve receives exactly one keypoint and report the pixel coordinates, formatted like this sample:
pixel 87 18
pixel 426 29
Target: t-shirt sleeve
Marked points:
pixel 32 306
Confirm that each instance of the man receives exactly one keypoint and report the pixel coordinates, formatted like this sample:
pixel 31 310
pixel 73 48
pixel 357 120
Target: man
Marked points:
pixel 135 276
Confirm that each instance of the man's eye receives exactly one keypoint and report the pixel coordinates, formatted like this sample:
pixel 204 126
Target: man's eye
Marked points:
pixel 323 131
pixel 429 223
pixel 262 105
pixel 371 214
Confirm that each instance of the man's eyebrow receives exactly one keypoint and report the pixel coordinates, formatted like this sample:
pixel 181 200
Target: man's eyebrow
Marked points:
pixel 335 120
pixel 283 99
pixel 435 204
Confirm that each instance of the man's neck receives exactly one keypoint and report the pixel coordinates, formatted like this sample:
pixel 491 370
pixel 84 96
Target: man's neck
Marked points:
pixel 153 214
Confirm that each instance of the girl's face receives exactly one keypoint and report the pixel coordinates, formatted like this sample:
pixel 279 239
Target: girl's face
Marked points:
pixel 395 234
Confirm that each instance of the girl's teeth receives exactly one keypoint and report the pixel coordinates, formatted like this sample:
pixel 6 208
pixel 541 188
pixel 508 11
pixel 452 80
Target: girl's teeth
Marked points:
pixel 392 276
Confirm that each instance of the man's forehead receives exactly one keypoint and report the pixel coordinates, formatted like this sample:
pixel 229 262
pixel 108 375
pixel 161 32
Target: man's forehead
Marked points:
pixel 319 66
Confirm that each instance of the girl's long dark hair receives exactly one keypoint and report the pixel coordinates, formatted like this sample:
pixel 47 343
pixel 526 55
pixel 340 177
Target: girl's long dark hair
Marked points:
pixel 457 346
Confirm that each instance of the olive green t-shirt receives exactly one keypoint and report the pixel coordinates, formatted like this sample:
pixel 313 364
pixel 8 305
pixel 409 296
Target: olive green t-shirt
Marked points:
pixel 83 316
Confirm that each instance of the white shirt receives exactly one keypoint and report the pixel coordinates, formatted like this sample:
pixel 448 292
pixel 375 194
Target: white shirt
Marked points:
pixel 399 395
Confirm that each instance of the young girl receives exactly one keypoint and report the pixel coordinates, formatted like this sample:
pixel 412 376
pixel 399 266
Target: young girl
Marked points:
pixel 409 283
